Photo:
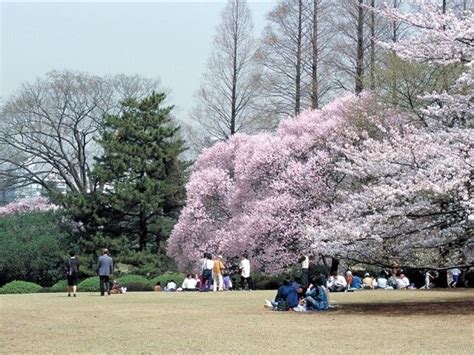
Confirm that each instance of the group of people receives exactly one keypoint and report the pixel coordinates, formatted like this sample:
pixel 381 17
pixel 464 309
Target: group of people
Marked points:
pixel 217 275
pixel 352 282
pixel 293 296
pixel 105 268
pixel 190 283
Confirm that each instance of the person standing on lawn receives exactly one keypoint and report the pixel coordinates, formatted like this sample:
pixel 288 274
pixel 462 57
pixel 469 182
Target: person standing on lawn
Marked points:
pixel 304 260
pixel 105 268
pixel 217 278
pixel 244 267
pixel 72 274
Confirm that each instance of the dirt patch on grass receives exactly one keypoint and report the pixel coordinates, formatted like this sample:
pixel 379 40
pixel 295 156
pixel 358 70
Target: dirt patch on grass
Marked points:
pixel 462 307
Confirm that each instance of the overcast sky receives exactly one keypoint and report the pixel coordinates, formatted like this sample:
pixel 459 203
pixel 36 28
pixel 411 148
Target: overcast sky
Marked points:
pixel 169 40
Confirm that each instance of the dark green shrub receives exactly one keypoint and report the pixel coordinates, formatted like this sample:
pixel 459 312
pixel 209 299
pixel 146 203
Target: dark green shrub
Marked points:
pixel 135 283
pixel 90 284
pixel 60 286
pixel 31 248
pixel 168 276
pixel 20 287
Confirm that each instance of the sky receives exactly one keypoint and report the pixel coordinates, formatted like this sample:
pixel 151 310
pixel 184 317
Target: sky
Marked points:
pixel 167 40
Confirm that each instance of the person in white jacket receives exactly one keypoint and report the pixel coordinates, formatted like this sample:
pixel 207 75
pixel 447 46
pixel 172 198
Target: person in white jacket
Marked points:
pixel 337 283
pixel 245 277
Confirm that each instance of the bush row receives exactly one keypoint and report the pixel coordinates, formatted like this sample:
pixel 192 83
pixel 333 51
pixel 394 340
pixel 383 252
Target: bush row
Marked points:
pixel 91 284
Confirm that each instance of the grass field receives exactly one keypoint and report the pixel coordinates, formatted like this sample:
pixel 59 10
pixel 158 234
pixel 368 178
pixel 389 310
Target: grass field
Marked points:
pixel 408 322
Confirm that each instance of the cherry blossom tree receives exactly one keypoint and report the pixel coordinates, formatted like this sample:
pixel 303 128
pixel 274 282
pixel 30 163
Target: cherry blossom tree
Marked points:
pixel 257 194
pixel 411 195
pixel 412 205
pixel 355 179
pixel 25 205
pixel 440 36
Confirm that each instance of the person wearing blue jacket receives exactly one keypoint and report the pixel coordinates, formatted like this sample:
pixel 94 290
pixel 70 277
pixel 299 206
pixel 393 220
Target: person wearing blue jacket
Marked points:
pixel 316 298
pixel 286 297
pixel 356 282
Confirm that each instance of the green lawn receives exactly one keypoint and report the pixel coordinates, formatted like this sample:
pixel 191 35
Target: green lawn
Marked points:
pixel 237 322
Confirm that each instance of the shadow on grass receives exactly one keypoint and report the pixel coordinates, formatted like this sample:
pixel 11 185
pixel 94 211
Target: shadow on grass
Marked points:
pixel 462 307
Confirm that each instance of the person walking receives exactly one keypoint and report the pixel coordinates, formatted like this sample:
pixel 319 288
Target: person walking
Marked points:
pixel 455 274
pixel 245 272
pixel 72 274
pixel 105 268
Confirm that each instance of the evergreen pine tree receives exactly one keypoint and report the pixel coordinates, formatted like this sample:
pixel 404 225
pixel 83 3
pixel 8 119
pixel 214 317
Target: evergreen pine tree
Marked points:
pixel 139 176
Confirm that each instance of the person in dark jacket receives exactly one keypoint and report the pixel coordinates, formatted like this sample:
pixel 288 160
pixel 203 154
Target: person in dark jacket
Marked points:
pixel 72 274
pixel 105 268
pixel 286 297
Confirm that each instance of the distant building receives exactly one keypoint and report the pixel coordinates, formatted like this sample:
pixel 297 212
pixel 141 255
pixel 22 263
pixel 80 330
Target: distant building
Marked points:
pixel 32 190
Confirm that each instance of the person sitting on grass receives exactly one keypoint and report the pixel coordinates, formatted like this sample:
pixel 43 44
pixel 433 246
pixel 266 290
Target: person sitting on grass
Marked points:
pixel 116 288
pixel 158 287
pixel 286 298
pixel 336 283
pixel 356 283
pixel 382 282
pixel 402 282
pixel 349 278
pixel 316 298
pixel 170 286
pixel 189 283
pixel 367 282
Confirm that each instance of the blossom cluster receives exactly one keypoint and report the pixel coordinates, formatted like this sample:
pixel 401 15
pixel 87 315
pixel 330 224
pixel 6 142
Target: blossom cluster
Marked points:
pixel 25 205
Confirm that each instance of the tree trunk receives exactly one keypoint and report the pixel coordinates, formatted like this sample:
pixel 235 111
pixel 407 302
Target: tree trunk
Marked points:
pixel 314 69
pixel 372 46
pixel 235 38
pixel 143 232
pixel 442 280
pixel 334 265
pixel 298 58
pixel 359 85
pixel 394 24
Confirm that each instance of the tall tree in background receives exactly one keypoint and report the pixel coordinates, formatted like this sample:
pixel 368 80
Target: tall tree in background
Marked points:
pixel 47 128
pixel 283 57
pixel 359 68
pixel 294 57
pixel 319 35
pixel 354 45
pixel 226 100
pixel 140 176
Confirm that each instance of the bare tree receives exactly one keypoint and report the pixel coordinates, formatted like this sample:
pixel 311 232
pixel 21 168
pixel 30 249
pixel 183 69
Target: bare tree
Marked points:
pixel 319 35
pixel 227 97
pixel 372 45
pixel 282 56
pixel 357 31
pixel 48 127
pixel 293 56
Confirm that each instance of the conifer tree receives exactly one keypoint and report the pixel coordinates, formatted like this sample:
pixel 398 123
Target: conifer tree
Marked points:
pixel 139 176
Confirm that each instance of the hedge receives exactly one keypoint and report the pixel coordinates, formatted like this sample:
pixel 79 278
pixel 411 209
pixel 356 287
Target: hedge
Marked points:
pixel 60 286
pixel 20 287
pixel 90 284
